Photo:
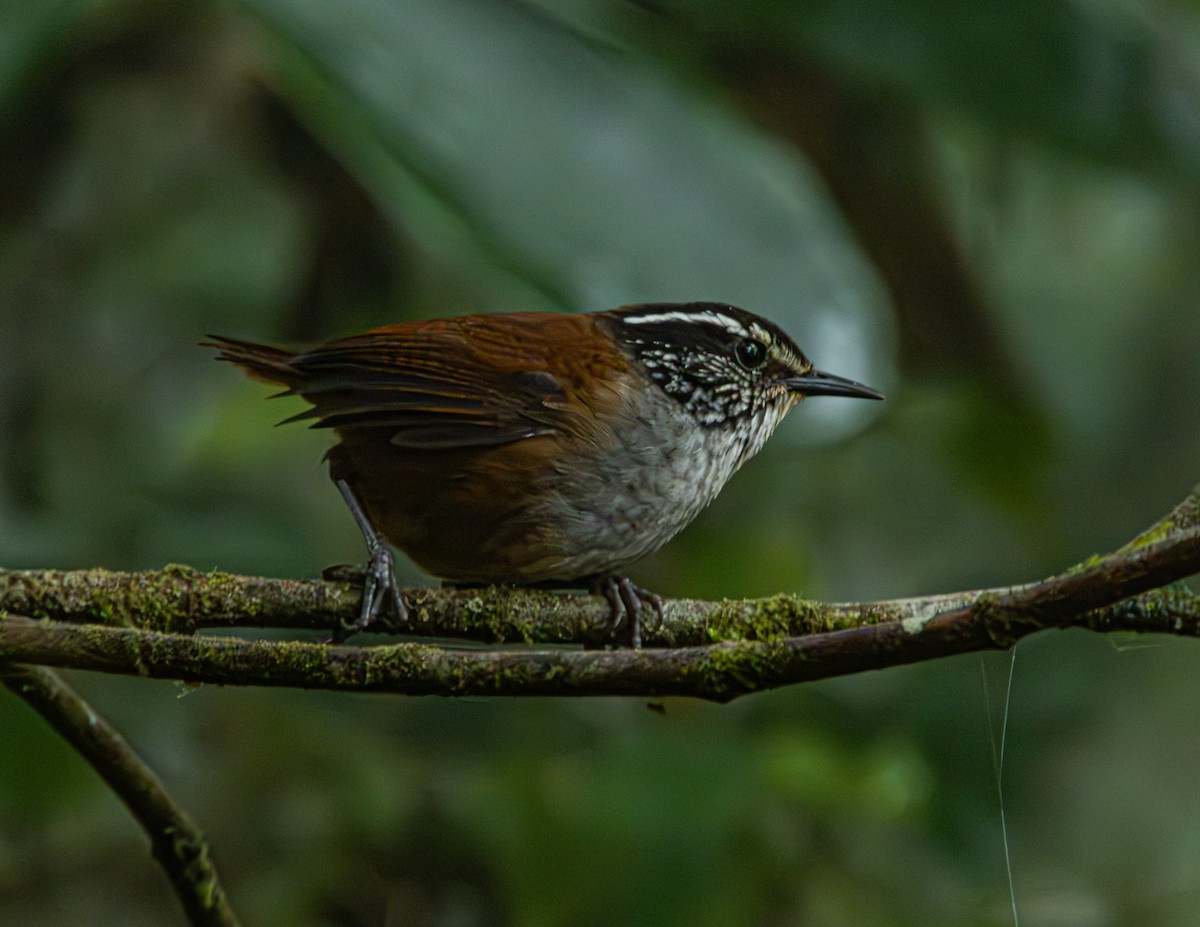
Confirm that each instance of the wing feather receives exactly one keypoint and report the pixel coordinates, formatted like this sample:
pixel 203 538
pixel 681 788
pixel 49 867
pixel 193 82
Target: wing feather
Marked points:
pixel 474 381
pixel 434 385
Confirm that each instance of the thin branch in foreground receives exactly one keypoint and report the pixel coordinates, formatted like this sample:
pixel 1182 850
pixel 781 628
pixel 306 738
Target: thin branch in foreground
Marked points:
pixel 178 845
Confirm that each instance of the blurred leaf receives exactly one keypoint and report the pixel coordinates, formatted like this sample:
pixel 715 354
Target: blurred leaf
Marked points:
pixel 639 189
pixel 1094 78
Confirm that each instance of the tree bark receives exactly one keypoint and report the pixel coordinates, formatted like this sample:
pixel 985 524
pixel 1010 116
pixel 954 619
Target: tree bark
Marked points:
pixel 145 624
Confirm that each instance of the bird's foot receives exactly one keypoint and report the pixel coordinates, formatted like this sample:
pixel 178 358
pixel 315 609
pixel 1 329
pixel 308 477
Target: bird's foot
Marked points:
pixel 379 576
pixel 627 602
pixel 381 598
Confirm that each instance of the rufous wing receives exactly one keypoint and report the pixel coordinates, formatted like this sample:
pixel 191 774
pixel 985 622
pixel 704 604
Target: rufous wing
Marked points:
pixel 436 385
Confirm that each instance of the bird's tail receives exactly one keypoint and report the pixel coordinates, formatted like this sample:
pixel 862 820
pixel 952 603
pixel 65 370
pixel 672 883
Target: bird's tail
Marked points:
pixel 261 361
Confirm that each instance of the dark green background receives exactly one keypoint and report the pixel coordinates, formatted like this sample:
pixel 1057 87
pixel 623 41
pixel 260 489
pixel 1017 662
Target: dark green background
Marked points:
pixel 989 211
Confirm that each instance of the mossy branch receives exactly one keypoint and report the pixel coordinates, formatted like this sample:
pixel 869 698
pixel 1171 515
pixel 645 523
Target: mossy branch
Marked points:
pixel 145 624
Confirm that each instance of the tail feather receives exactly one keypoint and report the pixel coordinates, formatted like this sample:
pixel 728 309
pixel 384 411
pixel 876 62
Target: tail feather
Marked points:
pixel 261 361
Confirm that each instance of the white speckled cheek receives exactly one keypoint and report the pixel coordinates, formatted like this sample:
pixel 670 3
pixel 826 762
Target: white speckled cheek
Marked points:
pixel 762 425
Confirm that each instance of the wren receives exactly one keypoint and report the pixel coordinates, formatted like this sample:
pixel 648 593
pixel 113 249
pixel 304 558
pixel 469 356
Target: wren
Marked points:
pixel 541 448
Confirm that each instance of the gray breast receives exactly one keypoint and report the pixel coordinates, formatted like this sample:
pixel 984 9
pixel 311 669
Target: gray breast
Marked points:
pixel 629 499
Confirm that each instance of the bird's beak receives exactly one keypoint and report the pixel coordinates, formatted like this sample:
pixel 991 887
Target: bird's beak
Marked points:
pixel 820 383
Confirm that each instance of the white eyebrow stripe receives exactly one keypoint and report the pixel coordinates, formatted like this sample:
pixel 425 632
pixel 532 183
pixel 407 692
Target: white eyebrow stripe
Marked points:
pixel 724 321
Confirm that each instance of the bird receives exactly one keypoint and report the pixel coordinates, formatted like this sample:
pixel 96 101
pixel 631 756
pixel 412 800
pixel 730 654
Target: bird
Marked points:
pixel 540 448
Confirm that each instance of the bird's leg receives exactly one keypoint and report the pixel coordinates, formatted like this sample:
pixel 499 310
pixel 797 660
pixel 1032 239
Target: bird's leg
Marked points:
pixel 379 580
pixel 626 602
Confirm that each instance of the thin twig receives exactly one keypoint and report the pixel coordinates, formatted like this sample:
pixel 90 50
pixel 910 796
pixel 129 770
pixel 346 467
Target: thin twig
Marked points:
pixel 176 843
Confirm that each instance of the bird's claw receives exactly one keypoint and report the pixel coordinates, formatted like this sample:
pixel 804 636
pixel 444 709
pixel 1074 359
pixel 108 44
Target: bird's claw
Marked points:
pixel 379 591
pixel 378 578
pixel 626 603
pixel 380 585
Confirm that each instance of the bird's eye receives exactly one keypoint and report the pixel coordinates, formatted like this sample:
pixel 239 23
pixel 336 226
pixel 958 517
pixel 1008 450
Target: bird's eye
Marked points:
pixel 750 353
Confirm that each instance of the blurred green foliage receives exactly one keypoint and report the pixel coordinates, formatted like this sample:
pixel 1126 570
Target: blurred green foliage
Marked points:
pixel 990 211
